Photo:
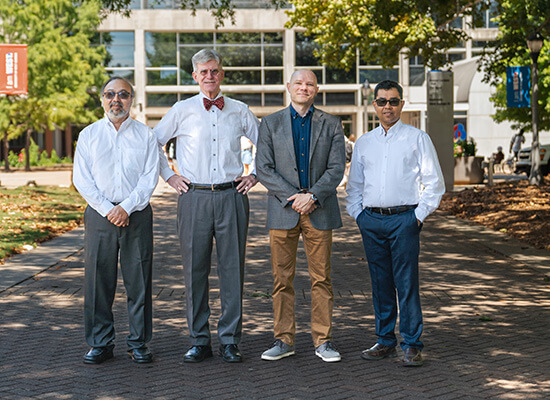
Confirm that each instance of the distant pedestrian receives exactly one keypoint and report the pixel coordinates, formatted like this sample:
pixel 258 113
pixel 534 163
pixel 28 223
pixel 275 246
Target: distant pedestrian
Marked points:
pixel 301 160
pixel 515 143
pixel 212 203
pixel 395 182
pixel 116 171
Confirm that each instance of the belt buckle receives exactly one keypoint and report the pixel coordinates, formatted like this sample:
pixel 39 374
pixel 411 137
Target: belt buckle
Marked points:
pixel 213 187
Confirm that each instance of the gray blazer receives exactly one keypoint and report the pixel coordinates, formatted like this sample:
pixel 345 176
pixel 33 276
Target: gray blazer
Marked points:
pixel 278 171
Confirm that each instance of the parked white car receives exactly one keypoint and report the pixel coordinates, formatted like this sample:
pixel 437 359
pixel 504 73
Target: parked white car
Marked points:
pixel 524 160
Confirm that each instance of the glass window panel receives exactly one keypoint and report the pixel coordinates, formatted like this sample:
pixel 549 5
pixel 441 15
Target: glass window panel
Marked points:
pixel 135 5
pixel 252 99
pixel 319 99
pixel 417 76
pixel 273 56
pixel 161 99
pixel 479 43
pixel 340 76
pixel 120 48
pixel 493 12
pixel 196 38
pixel 273 77
pixel 166 77
pixel 238 38
pixel 378 75
pixel 456 23
pixel 120 56
pixel 242 78
pixel 344 98
pixel 456 56
pixel 274 99
pixel 160 4
pixel 160 49
pixel 241 56
pixel 124 38
pixel 186 53
pixel 304 50
pixel 273 37
pixel 124 73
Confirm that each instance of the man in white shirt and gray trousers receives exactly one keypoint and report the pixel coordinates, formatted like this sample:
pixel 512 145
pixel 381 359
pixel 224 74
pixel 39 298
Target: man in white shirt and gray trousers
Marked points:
pixel 395 182
pixel 116 168
pixel 212 203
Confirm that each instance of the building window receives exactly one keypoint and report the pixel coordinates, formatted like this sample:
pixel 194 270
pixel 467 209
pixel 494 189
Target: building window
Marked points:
pixel 120 47
pixel 305 47
pixel 486 19
pixel 161 58
pixel 417 73
pixel 249 58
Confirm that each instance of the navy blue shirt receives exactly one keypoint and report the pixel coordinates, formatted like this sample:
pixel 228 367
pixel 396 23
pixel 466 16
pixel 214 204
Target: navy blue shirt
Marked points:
pixel 301 132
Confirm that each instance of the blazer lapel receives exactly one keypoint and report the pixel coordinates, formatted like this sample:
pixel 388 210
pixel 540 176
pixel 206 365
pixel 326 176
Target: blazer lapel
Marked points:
pixel 317 123
pixel 286 137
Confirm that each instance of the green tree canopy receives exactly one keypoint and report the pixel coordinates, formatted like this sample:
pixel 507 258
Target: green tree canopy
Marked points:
pixel 516 20
pixel 63 69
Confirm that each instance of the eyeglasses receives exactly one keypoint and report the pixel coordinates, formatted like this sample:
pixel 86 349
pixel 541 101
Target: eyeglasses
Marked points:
pixel 381 102
pixel 214 72
pixel 122 95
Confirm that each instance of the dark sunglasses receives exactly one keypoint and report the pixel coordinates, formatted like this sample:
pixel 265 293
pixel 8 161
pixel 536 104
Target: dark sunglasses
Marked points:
pixel 123 95
pixel 394 102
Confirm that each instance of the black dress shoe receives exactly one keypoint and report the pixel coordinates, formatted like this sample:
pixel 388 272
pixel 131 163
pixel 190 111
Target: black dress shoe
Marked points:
pixel 378 352
pixel 197 354
pixel 230 353
pixel 97 355
pixel 142 355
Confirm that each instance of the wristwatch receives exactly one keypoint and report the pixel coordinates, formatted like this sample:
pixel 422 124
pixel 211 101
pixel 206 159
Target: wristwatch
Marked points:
pixel 313 197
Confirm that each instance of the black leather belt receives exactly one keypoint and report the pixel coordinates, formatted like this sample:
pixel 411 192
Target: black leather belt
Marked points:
pixel 214 186
pixel 391 210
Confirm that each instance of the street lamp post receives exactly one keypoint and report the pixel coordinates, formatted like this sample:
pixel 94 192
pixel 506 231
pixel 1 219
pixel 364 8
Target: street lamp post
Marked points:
pixel 365 92
pixel 535 42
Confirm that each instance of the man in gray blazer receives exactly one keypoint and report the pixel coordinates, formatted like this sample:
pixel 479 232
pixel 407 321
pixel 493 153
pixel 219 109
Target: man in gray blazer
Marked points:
pixel 300 160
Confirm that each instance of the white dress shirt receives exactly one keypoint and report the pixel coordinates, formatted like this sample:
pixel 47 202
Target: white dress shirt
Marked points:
pixel 208 144
pixel 113 166
pixel 400 168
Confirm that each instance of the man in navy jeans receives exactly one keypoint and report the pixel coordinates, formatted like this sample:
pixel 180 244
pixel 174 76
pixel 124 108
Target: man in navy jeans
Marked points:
pixel 395 182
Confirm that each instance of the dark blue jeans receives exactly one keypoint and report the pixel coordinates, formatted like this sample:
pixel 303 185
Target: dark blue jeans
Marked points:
pixel 392 245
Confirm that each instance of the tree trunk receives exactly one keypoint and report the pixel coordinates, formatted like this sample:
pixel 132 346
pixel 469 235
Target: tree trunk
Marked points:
pixel 27 151
pixel 6 150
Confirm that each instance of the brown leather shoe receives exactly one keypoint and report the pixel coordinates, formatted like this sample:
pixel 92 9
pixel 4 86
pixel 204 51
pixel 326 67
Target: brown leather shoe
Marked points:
pixel 412 358
pixel 378 352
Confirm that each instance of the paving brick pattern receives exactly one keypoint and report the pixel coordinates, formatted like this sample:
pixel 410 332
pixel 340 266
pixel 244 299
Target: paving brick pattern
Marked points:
pixel 486 329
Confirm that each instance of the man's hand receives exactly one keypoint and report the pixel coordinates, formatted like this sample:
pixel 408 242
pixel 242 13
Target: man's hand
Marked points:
pixel 303 203
pixel 118 216
pixel 180 183
pixel 246 183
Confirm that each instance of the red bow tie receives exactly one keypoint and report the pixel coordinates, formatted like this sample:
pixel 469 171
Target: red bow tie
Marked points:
pixel 208 103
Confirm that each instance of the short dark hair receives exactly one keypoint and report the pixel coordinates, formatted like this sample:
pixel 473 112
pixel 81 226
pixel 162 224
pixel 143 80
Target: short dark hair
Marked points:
pixel 387 85
pixel 118 78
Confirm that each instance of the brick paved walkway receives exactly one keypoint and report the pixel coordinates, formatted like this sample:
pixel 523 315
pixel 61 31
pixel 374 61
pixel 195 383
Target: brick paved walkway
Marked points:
pixel 487 329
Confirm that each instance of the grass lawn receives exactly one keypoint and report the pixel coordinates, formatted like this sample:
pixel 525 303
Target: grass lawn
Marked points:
pixel 30 215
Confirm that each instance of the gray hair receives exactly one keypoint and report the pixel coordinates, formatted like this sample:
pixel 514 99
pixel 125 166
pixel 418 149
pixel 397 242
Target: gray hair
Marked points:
pixel 204 56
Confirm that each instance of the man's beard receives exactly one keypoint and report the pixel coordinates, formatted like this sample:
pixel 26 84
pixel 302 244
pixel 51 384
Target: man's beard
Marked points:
pixel 117 114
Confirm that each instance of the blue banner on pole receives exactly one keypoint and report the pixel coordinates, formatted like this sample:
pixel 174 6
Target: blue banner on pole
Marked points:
pixel 518 86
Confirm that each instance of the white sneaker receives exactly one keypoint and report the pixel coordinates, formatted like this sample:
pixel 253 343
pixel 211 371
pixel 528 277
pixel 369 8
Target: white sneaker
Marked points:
pixel 278 350
pixel 328 352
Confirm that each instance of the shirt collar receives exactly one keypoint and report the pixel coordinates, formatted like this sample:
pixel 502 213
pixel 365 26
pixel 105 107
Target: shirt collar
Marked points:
pixel 202 95
pixel 392 129
pixel 295 114
pixel 127 122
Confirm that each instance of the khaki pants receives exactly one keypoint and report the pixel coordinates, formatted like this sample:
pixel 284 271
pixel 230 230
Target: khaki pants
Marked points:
pixel 318 245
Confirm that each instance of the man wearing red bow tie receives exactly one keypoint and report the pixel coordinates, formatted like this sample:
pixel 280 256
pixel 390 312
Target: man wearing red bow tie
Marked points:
pixel 213 201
